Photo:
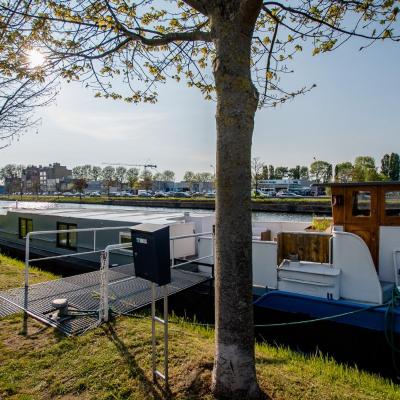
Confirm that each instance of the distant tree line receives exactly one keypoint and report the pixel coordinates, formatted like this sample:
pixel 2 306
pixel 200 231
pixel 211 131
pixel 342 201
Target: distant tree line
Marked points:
pixel 12 175
pixel 121 177
pixel 194 179
pixel 363 169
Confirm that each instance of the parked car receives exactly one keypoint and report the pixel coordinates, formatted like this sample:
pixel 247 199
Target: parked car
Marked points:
pixel 180 195
pixel 283 194
pixel 144 193
pixel 160 194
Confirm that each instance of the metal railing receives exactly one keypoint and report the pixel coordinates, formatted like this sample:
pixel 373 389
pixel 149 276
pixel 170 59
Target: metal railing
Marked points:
pixel 105 266
pixel 105 255
pixel 38 233
pixel 104 297
pixel 198 235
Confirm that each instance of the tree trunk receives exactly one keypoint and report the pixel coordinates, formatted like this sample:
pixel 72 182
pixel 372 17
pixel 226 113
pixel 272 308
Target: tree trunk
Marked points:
pixel 234 375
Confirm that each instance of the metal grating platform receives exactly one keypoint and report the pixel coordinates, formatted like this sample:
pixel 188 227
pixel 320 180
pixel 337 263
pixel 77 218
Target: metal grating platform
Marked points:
pixel 127 293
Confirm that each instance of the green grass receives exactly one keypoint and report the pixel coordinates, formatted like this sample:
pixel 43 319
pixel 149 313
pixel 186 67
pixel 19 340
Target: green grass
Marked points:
pixel 114 360
pixel 321 224
pixel 12 273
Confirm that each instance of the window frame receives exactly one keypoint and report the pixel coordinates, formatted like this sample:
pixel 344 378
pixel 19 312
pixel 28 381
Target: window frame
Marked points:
pixel 385 205
pixel 68 236
pixel 24 221
pixel 125 235
pixel 356 211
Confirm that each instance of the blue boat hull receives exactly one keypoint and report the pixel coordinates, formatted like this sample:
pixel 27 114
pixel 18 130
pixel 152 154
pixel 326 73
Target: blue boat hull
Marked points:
pixel 369 318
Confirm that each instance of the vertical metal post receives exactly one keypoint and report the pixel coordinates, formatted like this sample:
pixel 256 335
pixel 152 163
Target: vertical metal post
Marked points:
pixel 166 334
pixel 27 260
pixel 106 268
pixel 154 319
pixel 173 253
pixel 213 251
pixel 94 240
pixel 153 330
pixel 25 319
pixel 103 303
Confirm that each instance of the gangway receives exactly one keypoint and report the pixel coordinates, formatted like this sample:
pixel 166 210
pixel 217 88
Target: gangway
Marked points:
pixel 93 294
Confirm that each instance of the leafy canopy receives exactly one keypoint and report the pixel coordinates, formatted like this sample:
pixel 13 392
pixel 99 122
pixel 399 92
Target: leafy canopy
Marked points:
pixel 124 48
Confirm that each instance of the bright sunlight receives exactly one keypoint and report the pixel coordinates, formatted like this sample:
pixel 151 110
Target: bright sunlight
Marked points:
pixel 35 58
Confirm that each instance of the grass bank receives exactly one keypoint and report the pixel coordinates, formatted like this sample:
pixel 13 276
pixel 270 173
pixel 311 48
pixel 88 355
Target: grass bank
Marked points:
pixel 12 273
pixel 113 362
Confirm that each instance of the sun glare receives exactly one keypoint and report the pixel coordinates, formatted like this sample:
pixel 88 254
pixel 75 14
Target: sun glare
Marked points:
pixel 35 58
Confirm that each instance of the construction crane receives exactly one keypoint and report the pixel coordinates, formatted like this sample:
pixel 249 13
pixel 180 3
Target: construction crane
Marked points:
pixel 145 166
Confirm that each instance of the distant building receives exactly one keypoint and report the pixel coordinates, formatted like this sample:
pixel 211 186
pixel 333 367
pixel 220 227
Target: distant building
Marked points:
pixel 165 186
pixel 45 179
pixel 94 186
pixel 2 189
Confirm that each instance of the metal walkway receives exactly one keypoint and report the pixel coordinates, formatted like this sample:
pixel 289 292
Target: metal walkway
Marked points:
pixel 127 293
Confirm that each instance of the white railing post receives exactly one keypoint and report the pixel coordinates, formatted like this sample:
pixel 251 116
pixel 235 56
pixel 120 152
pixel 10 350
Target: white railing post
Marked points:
pixel 173 252
pixel 27 259
pixel 103 304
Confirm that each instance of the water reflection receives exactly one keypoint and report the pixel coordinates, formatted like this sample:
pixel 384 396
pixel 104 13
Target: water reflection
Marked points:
pixel 258 216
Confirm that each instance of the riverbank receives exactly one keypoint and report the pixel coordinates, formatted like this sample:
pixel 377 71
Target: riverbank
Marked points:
pixel 307 205
pixel 114 361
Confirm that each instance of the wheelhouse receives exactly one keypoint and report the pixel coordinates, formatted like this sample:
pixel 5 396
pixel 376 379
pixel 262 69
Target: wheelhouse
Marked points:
pixel 370 210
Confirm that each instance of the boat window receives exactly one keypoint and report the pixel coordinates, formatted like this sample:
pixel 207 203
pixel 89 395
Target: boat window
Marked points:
pixel 392 204
pixel 25 226
pixel 67 239
pixel 361 203
pixel 124 238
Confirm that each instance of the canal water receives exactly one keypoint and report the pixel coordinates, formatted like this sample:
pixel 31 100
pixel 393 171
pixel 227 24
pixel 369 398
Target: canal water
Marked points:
pixel 258 216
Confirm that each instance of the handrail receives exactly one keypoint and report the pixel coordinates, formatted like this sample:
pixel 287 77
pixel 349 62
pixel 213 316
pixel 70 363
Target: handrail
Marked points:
pixel 105 257
pixel 38 233
pixel 191 235
pixel 105 266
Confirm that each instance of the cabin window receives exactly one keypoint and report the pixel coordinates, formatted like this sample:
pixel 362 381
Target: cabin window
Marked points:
pixel 67 239
pixel 124 238
pixel 25 226
pixel 362 203
pixel 392 204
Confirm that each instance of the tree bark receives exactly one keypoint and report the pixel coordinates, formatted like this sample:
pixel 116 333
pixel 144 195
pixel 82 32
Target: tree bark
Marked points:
pixel 234 375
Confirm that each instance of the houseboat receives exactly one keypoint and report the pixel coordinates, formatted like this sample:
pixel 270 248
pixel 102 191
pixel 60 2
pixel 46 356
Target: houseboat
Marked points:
pixel 348 273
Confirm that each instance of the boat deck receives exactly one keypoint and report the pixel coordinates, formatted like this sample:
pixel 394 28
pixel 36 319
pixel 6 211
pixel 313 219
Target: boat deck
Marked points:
pixel 127 294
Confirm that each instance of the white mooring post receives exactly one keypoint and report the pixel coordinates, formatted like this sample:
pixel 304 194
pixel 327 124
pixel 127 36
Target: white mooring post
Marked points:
pixel 164 322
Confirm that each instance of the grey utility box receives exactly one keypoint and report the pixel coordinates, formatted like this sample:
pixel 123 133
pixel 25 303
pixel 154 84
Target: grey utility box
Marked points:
pixel 150 243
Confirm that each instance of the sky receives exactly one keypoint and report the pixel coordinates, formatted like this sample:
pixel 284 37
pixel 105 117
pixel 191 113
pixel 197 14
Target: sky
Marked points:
pixel 354 110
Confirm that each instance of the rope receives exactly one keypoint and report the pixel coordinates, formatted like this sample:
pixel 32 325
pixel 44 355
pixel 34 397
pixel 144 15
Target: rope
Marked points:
pixel 304 322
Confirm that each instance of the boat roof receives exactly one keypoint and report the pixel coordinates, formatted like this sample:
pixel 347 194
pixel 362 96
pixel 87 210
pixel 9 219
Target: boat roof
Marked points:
pixel 134 216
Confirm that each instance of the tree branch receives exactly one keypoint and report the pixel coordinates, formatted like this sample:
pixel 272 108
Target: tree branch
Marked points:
pixel 198 5
pixel 317 20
